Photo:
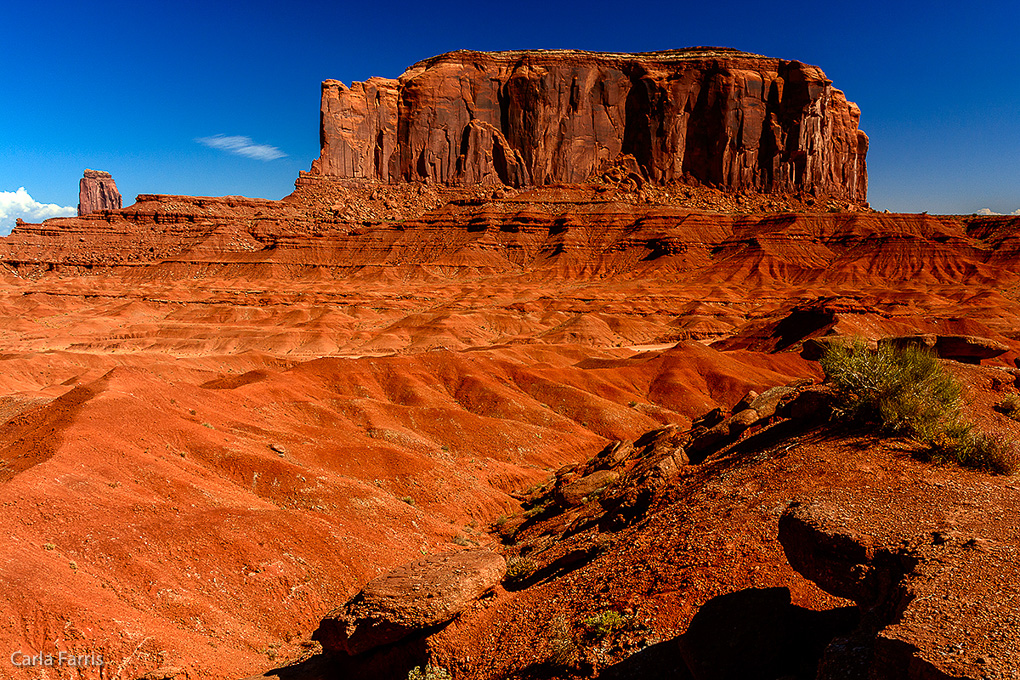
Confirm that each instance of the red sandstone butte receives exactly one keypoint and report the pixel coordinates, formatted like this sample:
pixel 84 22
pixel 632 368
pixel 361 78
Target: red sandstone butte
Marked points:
pixel 712 116
pixel 97 191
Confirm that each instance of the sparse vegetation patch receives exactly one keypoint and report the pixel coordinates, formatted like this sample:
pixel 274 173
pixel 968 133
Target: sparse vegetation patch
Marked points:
pixel 604 623
pixel 563 650
pixel 906 391
pixel 430 672
pixel 901 390
pixel 1009 405
pixel 518 569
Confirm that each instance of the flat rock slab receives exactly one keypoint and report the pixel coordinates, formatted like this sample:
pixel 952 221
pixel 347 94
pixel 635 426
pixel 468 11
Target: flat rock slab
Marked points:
pixel 938 567
pixel 410 599
pixel 577 491
pixel 969 349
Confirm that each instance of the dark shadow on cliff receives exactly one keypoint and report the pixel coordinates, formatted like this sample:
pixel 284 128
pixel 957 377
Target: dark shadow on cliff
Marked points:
pixel 390 663
pixel 661 660
pixel 758 633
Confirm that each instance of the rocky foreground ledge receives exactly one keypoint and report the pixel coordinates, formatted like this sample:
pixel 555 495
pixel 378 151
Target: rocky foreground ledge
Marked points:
pixel 929 556
pixel 935 569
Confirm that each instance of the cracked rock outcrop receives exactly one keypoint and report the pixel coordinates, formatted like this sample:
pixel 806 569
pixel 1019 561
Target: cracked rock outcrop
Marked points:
pixel 411 599
pixel 709 116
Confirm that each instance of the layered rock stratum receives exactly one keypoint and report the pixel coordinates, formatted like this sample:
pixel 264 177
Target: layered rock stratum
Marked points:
pixel 97 191
pixel 711 116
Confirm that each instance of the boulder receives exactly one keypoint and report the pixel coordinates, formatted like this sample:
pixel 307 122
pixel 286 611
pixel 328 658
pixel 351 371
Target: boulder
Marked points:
pixel 767 402
pixel 411 599
pixel 811 403
pixel 934 567
pixel 738 422
pixel 705 440
pixel 575 492
pixel 745 402
pixel 968 349
pixel 710 419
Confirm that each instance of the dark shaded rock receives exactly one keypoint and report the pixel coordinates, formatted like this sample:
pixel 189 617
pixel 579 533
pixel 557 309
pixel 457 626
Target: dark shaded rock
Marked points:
pixel 704 441
pixel 97 191
pixel 745 402
pixel 660 457
pixel 758 633
pixel 811 403
pixel 934 567
pixel 812 349
pixel 410 599
pixel 710 419
pixel 737 423
pixel 612 455
pixel 967 349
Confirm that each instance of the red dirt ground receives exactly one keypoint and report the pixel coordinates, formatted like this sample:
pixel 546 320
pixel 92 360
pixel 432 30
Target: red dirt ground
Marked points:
pixel 218 420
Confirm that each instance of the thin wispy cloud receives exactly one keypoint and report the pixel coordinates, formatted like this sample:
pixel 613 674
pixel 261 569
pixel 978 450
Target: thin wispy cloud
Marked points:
pixel 988 211
pixel 242 146
pixel 15 204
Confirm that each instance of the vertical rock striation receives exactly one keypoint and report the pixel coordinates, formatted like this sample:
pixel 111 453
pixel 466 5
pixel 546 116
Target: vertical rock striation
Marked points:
pixel 711 116
pixel 97 191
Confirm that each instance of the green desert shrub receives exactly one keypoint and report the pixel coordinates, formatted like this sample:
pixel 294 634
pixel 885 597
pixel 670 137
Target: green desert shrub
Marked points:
pixel 518 569
pixel 430 672
pixel 563 650
pixel 604 623
pixel 1009 405
pixel 901 390
pixel 906 391
pixel 960 443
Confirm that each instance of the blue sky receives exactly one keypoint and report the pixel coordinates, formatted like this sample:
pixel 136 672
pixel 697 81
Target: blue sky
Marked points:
pixel 129 87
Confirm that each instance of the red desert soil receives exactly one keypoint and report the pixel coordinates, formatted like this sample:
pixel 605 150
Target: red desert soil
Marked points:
pixel 220 418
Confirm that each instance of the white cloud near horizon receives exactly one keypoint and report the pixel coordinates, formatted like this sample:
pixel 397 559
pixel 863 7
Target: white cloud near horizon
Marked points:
pixel 988 211
pixel 242 146
pixel 15 204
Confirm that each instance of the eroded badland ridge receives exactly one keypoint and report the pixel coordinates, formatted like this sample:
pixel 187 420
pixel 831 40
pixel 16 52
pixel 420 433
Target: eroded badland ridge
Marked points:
pixel 520 382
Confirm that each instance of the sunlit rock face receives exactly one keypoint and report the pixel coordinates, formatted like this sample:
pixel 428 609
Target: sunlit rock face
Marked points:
pixel 97 191
pixel 704 116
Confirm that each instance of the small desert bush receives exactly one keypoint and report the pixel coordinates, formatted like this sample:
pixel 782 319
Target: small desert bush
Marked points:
pixel 901 390
pixel 960 443
pixel 609 621
pixel 906 391
pixel 563 651
pixel 430 672
pixel 518 569
pixel 538 509
pixel 1009 405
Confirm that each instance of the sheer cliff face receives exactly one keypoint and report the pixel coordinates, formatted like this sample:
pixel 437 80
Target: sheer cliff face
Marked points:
pixel 709 116
pixel 97 191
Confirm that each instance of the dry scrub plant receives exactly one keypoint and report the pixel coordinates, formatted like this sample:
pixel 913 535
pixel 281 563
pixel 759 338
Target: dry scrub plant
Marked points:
pixel 906 391
pixel 430 672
